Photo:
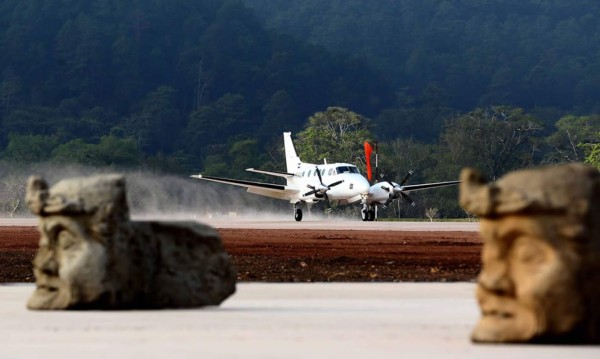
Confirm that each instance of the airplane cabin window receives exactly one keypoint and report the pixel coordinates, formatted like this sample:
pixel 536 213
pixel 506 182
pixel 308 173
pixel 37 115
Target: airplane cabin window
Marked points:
pixel 309 173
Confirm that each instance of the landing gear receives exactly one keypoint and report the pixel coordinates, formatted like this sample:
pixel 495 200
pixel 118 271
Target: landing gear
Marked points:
pixel 297 212
pixel 298 215
pixel 364 215
pixel 367 213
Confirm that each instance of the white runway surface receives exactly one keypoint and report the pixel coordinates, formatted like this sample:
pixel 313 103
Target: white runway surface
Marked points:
pixel 357 320
pixel 286 223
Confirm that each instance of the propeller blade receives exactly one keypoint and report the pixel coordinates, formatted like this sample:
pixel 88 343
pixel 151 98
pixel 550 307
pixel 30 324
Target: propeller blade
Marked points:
pixel 408 199
pixel 389 200
pixel 335 184
pixel 319 174
pixel 311 192
pixel 406 177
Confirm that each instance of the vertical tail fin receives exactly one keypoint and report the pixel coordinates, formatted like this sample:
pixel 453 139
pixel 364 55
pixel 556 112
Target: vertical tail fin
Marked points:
pixel 291 158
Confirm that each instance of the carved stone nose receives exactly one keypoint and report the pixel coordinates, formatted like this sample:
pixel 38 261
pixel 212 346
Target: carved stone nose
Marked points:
pixel 47 263
pixel 496 280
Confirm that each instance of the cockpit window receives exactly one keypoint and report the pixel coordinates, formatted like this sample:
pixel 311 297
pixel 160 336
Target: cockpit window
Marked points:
pixel 344 169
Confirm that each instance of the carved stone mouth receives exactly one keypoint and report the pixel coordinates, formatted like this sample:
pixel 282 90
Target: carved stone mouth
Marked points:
pixel 47 288
pixel 498 314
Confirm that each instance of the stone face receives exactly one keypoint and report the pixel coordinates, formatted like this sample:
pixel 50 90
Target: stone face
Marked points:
pixel 540 280
pixel 91 256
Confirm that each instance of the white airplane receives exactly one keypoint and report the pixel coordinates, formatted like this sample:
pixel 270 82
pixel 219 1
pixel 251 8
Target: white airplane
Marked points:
pixel 307 183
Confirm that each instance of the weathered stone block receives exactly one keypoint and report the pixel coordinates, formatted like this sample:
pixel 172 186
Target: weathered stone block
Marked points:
pixel 92 256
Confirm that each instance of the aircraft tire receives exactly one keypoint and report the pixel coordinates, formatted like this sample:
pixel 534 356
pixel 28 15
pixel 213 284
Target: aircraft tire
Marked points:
pixel 371 215
pixel 364 214
pixel 298 215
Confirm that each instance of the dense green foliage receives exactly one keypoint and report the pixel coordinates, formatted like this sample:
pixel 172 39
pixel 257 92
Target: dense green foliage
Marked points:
pixel 528 53
pixel 176 75
pixel 593 153
pixel 181 86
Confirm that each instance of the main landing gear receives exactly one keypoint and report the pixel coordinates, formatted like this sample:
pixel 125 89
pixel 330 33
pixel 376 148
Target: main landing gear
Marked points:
pixel 297 212
pixel 367 213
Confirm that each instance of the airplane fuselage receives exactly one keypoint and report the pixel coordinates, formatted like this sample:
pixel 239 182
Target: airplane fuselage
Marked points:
pixel 353 187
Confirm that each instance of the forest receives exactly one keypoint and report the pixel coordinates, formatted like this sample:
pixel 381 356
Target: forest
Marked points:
pixel 177 87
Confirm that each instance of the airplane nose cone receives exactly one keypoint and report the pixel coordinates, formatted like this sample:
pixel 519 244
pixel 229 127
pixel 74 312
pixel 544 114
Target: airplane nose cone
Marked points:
pixel 363 186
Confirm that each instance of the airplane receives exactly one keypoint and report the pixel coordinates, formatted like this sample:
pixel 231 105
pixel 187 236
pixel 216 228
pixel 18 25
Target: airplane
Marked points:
pixel 307 183
pixel 385 192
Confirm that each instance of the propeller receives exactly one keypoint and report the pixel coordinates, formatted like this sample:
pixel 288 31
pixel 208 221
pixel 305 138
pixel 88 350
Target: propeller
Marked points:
pixel 321 189
pixel 395 190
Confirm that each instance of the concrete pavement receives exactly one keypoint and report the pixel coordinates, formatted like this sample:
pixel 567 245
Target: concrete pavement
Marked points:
pixel 262 320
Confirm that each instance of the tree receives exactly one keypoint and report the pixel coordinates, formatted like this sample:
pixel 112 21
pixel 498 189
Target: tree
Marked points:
pixel 401 155
pixel 110 151
pixel 494 140
pixel 157 124
pixel 592 152
pixel 336 135
pixel 431 213
pixel 572 132
pixel 279 114
pixel 243 154
pixel 12 194
pixel 29 148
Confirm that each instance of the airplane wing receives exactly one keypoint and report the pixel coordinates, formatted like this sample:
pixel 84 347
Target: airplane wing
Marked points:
pixel 272 173
pixel 260 188
pixel 417 187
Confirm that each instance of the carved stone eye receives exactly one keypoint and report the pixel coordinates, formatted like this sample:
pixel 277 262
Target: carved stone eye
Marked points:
pixel 66 240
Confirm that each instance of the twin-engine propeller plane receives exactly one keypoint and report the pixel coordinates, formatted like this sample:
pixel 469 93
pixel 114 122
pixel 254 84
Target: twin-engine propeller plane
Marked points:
pixel 307 183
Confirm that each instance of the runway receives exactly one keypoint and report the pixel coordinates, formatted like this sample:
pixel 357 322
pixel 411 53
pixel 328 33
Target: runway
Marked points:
pixel 283 222
pixel 337 320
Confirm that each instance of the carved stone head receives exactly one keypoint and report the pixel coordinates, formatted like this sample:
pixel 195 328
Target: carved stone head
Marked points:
pixel 77 219
pixel 92 256
pixel 541 254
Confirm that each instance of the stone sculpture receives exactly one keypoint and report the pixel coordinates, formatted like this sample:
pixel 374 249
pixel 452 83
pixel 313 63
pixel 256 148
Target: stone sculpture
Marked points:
pixel 92 256
pixel 540 280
